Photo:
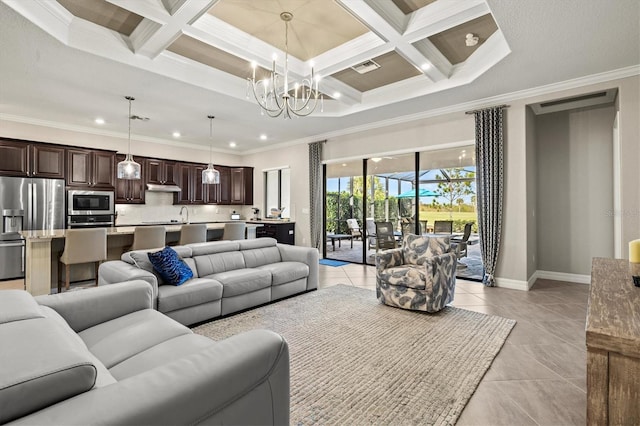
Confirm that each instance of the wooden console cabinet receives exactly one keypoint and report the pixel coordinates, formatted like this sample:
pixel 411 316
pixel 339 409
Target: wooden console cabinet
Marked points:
pixel 613 345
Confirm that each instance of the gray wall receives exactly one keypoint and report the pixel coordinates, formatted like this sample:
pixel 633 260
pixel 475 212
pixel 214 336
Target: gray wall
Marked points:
pixel 574 152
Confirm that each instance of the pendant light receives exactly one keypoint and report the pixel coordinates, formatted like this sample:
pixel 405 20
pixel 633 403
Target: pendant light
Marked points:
pixel 210 176
pixel 129 169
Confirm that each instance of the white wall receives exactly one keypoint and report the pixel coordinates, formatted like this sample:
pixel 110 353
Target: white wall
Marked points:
pixel 575 188
pixel 295 157
pixel 532 198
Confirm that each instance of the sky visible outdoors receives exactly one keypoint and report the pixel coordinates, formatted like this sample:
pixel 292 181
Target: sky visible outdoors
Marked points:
pixel 342 184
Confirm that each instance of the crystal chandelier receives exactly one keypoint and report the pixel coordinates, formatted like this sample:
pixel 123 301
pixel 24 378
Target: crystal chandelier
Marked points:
pixel 210 176
pixel 128 168
pixel 272 93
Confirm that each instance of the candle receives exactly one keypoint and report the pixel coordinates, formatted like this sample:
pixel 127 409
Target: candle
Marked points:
pixel 634 251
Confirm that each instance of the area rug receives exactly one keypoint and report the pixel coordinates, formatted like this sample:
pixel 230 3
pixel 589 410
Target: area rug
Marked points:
pixel 329 262
pixel 356 361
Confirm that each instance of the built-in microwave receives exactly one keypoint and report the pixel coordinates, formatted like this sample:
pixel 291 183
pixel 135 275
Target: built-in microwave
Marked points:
pixel 90 202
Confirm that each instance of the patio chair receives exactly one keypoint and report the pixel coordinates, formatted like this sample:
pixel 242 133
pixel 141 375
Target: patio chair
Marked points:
pixel 409 227
pixel 443 227
pixel 385 238
pixel 419 276
pixel 371 232
pixel 354 228
pixel 461 242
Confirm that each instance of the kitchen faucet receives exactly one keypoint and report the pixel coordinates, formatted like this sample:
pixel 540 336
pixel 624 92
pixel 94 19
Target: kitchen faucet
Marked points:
pixel 181 218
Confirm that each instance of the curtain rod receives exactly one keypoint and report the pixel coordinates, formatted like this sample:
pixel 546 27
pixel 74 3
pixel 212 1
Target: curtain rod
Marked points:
pixel 478 110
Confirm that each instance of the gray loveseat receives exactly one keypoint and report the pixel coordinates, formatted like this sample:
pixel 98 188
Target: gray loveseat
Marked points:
pixel 103 355
pixel 229 276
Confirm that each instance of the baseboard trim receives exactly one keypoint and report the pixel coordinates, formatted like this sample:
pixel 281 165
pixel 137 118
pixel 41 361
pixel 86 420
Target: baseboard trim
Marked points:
pixel 563 276
pixel 512 284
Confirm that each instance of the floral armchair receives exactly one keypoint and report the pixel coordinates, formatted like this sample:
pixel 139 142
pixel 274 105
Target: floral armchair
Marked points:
pixel 419 276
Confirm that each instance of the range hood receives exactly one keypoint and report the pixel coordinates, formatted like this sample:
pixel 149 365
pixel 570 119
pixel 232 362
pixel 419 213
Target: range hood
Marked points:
pixel 162 188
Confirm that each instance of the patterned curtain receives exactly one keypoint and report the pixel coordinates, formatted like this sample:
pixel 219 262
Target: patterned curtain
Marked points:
pixel 489 185
pixel 315 190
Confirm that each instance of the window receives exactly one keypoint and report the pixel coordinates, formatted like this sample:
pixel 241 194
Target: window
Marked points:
pixel 277 185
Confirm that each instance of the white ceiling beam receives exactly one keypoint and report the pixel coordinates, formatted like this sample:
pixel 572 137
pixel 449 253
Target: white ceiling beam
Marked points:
pixel 150 9
pixel 440 16
pixel 389 32
pixel 155 42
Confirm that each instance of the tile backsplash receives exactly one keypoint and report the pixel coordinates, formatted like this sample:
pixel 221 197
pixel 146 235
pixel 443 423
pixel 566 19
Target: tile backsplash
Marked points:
pixel 159 207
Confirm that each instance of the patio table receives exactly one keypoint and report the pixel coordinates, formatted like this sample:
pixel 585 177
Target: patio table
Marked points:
pixel 339 238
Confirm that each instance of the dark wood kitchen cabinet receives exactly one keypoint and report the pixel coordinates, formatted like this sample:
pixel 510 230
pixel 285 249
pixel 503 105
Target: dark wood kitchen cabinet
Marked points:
pixel 21 158
pixel 190 176
pixel 242 185
pixel 161 172
pixel 91 168
pixel 130 191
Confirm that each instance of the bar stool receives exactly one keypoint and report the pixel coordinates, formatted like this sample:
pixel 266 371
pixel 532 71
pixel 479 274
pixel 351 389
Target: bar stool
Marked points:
pixel 193 233
pixel 234 231
pixel 82 246
pixel 148 237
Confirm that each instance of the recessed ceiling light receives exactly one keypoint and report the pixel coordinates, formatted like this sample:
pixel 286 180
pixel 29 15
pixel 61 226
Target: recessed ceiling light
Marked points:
pixel 99 120
pixel 176 134
pixel 232 144
pixel 425 67
pixel 336 95
pixel 263 137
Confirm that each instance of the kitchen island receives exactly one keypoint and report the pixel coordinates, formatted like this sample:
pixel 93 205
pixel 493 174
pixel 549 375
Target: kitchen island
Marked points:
pixel 43 249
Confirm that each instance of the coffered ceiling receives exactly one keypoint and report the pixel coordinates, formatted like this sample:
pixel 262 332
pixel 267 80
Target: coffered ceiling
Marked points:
pixel 193 57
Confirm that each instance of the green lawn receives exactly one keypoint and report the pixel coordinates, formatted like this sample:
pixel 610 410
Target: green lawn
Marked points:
pixel 433 216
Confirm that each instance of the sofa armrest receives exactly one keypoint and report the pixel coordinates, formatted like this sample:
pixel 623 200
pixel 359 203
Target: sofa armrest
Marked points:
pixel 306 255
pixel 117 271
pixel 86 308
pixel 240 380
pixel 388 259
pixel 441 270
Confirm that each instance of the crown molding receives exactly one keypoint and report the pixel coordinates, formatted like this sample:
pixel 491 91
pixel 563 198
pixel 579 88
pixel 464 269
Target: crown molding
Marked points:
pixel 603 77
pixel 118 135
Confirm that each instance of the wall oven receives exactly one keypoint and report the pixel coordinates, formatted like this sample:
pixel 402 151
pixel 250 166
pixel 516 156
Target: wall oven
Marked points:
pixel 90 209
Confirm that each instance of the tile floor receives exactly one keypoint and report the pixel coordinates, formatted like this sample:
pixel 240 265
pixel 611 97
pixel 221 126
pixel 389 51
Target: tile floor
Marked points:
pixel 539 376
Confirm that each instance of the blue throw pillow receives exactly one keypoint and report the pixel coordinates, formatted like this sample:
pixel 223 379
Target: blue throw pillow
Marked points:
pixel 170 266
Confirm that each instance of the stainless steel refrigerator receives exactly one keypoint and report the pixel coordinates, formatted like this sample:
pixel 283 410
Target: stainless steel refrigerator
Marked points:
pixel 26 204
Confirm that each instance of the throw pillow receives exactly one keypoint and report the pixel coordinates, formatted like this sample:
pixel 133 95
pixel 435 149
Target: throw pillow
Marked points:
pixel 170 266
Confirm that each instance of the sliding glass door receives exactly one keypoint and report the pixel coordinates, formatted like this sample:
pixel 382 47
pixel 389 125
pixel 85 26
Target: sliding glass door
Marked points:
pixel 411 191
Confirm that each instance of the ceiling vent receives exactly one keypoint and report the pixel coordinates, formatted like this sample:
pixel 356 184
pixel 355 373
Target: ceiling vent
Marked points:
pixel 365 67
pixel 581 101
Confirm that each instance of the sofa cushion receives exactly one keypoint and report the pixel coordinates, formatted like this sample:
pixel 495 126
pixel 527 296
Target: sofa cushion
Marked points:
pixel 286 272
pixel 220 262
pixel 193 292
pixel 212 247
pixel 140 259
pixel 41 367
pixel 121 338
pixel 16 305
pixel 160 354
pixel 416 248
pixel 242 281
pixel 412 276
pixel 103 378
pixel 170 266
pixel 261 256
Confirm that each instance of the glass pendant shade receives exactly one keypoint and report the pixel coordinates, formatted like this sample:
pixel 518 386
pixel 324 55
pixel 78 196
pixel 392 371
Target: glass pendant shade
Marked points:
pixel 210 176
pixel 128 168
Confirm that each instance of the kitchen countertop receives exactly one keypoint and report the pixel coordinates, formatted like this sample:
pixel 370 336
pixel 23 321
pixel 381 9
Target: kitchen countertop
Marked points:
pixel 118 230
pixel 270 221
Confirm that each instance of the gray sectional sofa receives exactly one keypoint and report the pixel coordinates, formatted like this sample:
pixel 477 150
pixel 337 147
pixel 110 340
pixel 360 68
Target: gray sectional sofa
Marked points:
pixel 104 356
pixel 229 276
